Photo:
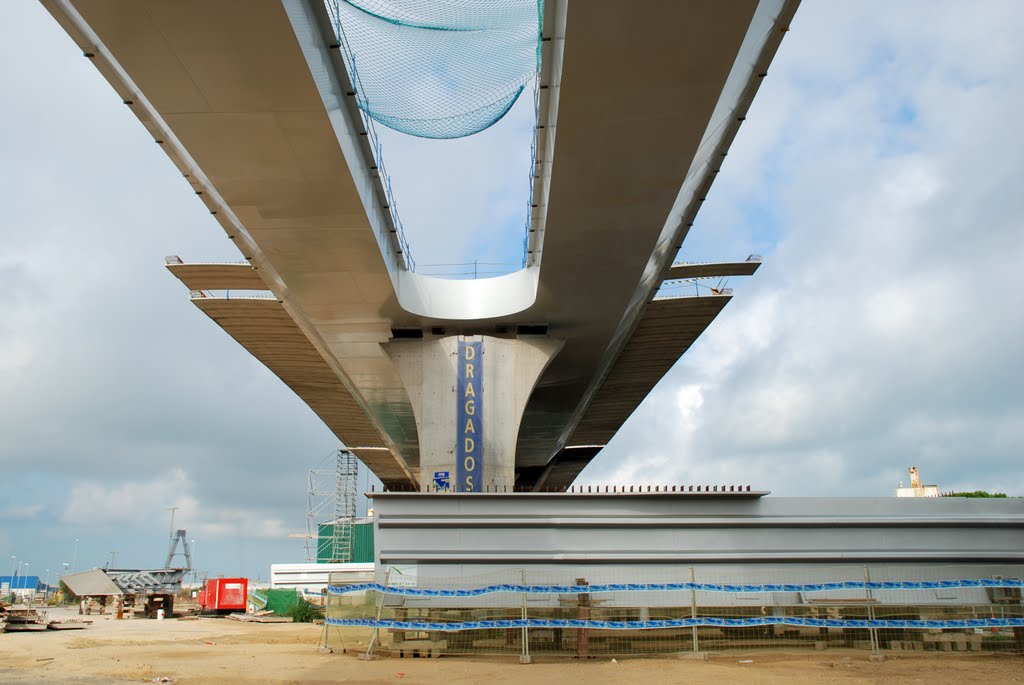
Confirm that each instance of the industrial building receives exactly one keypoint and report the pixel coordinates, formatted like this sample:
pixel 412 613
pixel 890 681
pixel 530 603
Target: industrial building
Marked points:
pixel 727 533
pixel 22 587
pixel 684 569
pixel 314 578
pixel 344 549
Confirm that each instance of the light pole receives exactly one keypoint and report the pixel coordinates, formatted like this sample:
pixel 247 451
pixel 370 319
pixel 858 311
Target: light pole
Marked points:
pixel 195 573
pixel 74 558
pixel 46 590
pixel 14 567
pixel 170 533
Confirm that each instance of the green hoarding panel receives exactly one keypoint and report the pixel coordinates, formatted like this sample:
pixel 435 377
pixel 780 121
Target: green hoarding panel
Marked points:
pixel 362 552
pixel 362 544
pixel 324 550
pixel 280 601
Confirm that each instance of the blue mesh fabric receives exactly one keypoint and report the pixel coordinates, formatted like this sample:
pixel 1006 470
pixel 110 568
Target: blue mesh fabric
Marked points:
pixel 438 68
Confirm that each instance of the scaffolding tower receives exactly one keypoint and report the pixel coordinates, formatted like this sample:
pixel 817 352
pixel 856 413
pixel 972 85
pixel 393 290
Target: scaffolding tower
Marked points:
pixel 332 496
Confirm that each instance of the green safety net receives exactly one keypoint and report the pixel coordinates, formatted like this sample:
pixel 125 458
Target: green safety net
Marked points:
pixel 438 68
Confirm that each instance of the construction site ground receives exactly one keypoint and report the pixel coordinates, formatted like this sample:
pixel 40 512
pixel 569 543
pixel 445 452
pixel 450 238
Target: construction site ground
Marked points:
pixel 220 651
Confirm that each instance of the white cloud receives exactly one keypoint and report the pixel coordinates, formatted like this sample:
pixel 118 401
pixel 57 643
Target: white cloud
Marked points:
pixel 127 503
pixel 26 512
pixel 135 503
pixel 879 333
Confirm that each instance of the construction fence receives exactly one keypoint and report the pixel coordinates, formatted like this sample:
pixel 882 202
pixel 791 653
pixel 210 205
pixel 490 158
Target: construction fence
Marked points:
pixel 511 613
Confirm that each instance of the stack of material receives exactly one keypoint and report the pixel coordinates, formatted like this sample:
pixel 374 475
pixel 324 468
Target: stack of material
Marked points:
pixel 21 618
pixel 68 624
pixel 260 617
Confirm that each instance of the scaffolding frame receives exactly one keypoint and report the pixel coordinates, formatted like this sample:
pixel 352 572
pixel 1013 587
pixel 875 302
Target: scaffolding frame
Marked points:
pixel 332 493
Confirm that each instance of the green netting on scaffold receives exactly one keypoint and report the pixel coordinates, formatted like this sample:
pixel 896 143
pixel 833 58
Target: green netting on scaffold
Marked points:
pixel 438 68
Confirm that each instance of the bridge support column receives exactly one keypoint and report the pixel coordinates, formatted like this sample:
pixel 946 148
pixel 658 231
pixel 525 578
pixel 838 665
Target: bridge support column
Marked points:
pixel 468 394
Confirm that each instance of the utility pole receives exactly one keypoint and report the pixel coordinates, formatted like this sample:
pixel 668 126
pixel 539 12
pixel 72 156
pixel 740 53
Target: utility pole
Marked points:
pixel 170 533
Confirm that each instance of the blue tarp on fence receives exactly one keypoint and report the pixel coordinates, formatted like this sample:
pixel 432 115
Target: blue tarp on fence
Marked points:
pixel 674 587
pixel 681 623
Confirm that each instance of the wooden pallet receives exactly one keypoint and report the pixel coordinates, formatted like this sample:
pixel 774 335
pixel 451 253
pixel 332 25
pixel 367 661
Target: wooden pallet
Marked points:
pixel 419 648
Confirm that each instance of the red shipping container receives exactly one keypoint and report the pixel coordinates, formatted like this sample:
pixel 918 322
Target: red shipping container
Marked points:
pixel 224 594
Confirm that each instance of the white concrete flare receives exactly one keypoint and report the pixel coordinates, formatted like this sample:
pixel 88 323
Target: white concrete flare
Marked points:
pixel 428 371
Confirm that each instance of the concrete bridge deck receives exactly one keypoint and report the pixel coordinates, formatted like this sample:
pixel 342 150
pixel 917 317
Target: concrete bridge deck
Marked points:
pixel 252 103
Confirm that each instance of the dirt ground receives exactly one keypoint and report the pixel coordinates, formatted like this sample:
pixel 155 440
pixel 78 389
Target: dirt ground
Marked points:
pixel 218 651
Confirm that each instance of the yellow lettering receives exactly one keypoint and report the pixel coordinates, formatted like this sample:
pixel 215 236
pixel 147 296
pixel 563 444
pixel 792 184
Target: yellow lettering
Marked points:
pixel 469 427
pixel 469 370
pixel 469 390
pixel 469 484
pixel 469 463
pixel 469 445
pixel 470 351
pixel 470 407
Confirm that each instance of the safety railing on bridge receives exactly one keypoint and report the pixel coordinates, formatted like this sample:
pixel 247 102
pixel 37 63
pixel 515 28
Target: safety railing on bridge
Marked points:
pixel 469 270
pixel 376 148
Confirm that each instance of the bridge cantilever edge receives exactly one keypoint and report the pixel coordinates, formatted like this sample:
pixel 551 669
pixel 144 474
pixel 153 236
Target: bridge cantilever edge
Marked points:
pixel 266 330
pixel 713 269
pixel 230 276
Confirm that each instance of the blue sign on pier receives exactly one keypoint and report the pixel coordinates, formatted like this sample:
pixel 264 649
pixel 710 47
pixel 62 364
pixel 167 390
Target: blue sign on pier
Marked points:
pixel 469 435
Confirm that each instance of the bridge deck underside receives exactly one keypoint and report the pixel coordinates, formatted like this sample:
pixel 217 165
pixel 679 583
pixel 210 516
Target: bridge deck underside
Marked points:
pixel 227 90
pixel 665 332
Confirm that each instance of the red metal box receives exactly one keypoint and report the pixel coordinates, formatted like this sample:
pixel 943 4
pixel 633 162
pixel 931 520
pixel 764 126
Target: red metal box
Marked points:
pixel 224 594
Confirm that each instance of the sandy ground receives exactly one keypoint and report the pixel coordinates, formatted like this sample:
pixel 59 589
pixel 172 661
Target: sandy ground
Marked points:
pixel 219 652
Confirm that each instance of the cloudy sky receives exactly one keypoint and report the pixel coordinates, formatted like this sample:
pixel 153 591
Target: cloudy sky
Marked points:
pixel 879 173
